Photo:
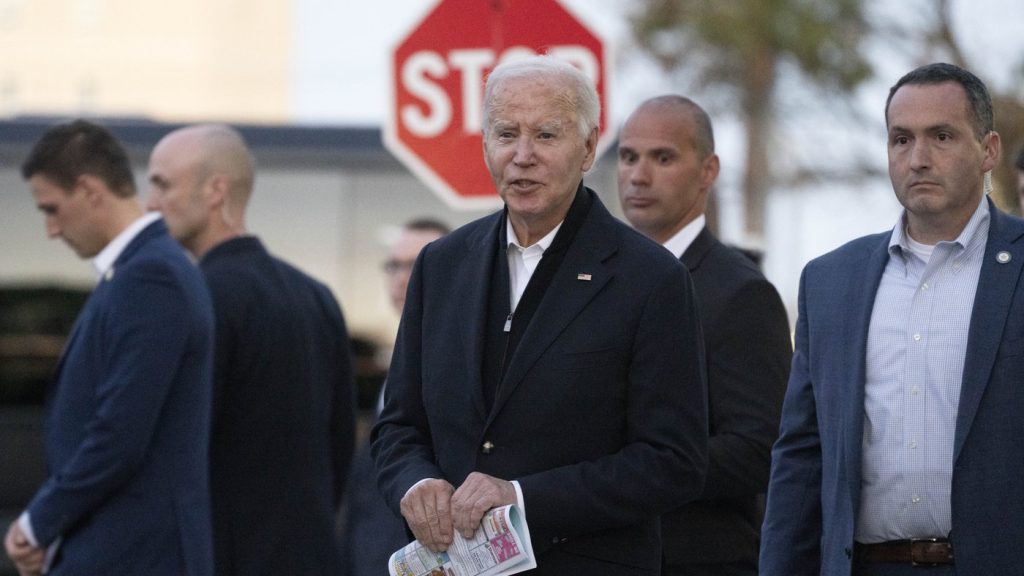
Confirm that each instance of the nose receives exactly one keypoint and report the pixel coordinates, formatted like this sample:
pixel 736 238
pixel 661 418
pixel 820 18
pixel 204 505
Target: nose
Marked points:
pixel 524 151
pixel 639 173
pixel 52 228
pixel 920 156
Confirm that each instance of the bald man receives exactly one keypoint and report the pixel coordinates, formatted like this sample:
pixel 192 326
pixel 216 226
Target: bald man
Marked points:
pixel 283 409
pixel 667 167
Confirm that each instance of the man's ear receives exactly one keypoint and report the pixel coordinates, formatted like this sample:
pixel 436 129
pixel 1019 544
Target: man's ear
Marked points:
pixel 709 171
pixel 993 148
pixel 215 191
pixel 94 188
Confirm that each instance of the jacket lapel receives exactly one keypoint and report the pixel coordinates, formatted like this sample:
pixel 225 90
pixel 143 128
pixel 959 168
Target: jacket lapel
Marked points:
pixel 581 276
pixel 474 295
pixel 97 295
pixel 698 249
pixel 996 286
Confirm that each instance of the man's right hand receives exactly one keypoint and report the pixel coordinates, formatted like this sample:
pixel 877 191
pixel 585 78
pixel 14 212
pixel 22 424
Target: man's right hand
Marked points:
pixel 27 558
pixel 428 511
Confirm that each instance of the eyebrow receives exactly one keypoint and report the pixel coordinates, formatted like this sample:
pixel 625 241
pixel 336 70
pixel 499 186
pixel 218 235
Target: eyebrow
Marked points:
pixel 942 126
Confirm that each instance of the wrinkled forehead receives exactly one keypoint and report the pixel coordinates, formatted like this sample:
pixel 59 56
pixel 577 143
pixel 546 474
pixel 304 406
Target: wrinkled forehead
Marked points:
pixel 538 97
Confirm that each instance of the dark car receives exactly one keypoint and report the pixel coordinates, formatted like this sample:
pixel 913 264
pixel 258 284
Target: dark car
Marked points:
pixel 34 323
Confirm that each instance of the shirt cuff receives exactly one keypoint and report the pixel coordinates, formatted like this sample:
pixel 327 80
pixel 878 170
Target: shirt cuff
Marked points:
pixel 519 498
pixel 25 524
pixel 415 485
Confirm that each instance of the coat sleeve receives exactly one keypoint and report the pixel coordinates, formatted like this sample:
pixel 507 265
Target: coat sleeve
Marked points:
pixel 401 440
pixel 749 353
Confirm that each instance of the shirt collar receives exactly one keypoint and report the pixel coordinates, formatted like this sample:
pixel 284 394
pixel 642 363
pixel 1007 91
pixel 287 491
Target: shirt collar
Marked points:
pixel 106 258
pixel 681 240
pixel 973 233
pixel 544 243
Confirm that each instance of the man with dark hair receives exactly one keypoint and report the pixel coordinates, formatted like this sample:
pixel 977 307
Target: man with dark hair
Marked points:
pixel 129 408
pixel 667 167
pixel 402 255
pixel 283 410
pixel 549 356
pixel 899 450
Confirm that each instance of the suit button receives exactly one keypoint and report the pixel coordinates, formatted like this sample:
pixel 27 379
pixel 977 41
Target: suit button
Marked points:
pixel 488 447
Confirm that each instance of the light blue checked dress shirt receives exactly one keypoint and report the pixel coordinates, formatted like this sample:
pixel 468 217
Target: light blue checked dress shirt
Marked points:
pixel 917 343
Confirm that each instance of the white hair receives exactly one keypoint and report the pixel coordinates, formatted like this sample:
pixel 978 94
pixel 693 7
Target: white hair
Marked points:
pixel 585 99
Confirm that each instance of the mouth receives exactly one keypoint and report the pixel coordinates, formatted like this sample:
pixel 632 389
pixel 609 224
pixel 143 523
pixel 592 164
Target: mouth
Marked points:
pixel 523 185
pixel 922 183
pixel 638 202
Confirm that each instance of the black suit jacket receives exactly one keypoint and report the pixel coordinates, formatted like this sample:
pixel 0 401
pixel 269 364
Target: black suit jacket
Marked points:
pixel 600 415
pixel 283 422
pixel 747 342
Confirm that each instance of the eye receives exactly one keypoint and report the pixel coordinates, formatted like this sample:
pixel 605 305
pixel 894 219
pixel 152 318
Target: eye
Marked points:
pixel 546 136
pixel 944 136
pixel 626 157
pixel 664 159
pixel 900 140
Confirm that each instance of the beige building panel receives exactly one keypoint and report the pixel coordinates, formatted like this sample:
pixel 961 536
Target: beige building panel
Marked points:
pixel 181 61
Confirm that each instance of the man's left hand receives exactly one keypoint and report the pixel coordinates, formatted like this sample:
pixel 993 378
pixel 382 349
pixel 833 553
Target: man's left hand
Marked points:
pixel 478 494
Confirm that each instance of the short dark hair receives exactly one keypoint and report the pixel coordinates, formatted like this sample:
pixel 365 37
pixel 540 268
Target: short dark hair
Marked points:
pixel 427 225
pixel 978 99
pixel 1020 159
pixel 67 151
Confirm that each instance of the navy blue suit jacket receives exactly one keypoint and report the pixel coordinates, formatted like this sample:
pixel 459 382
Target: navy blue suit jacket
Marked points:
pixel 283 420
pixel 814 492
pixel 601 414
pixel 128 426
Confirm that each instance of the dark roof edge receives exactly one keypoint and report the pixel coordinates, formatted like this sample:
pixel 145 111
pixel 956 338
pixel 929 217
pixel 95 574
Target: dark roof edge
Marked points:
pixel 304 144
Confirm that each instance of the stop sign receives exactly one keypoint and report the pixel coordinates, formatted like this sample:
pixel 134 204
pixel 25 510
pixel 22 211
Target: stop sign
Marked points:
pixel 435 116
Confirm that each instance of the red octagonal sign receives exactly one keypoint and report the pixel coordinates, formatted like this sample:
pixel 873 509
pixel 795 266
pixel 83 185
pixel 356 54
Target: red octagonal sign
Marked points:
pixel 438 72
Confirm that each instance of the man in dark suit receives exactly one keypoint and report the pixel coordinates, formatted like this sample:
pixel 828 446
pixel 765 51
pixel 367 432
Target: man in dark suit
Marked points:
pixel 667 166
pixel 548 355
pixel 900 449
pixel 283 418
pixel 127 431
pixel 371 530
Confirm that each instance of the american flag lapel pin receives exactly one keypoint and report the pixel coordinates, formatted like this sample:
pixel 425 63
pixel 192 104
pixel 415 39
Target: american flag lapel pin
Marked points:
pixel 584 277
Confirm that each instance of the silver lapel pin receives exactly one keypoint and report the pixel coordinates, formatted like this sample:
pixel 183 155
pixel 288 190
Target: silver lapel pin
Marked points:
pixel 1003 257
pixel 584 277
